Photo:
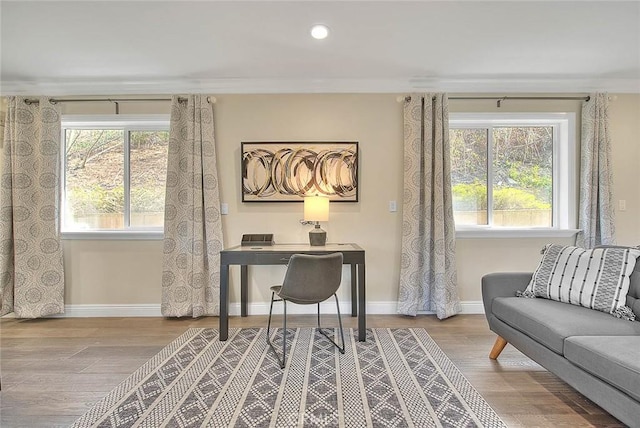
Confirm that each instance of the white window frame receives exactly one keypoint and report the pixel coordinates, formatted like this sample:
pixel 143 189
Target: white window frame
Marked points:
pixel 564 172
pixel 127 123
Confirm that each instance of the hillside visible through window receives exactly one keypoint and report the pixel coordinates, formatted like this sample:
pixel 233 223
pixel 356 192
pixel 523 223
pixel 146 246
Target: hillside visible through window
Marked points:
pixel 510 166
pixel 102 191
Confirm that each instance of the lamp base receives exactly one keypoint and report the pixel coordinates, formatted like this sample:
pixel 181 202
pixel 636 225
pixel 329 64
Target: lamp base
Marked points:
pixel 317 236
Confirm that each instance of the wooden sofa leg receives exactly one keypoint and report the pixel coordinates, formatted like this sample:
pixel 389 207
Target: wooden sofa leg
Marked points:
pixel 497 348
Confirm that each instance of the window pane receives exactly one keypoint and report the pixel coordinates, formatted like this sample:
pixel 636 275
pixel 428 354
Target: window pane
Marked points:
pixel 148 169
pixel 469 175
pixel 522 181
pixel 94 179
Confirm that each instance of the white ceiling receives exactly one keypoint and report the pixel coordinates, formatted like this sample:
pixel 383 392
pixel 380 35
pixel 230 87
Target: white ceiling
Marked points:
pixel 159 47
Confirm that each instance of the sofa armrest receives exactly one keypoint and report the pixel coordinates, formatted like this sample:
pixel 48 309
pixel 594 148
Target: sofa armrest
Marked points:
pixel 502 284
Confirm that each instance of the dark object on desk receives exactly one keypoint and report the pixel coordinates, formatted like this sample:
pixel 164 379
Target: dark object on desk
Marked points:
pixel 310 279
pixel 258 239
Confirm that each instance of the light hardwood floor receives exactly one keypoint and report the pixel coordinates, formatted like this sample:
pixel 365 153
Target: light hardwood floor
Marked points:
pixel 53 370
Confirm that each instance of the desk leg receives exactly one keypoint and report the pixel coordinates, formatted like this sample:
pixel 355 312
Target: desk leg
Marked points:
pixel 354 291
pixel 362 302
pixel 244 289
pixel 224 302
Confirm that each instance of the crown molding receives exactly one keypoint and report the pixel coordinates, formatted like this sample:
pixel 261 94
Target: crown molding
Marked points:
pixel 311 85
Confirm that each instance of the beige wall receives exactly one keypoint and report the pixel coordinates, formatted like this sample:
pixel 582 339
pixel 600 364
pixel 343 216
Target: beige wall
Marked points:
pixel 128 272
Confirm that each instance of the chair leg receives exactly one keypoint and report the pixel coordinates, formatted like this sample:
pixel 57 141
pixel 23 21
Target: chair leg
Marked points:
pixel 498 346
pixel 284 336
pixel 341 349
pixel 270 311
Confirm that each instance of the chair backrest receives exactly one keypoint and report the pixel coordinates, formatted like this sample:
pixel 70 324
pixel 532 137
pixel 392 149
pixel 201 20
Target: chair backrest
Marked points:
pixel 312 278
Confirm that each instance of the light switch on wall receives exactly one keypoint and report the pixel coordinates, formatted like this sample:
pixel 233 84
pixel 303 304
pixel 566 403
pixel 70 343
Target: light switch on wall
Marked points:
pixel 224 208
pixel 393 207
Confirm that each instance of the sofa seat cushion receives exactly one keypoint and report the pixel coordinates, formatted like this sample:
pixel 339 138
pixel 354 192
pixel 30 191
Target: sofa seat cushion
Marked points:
pixel 550 323
pixel 614 359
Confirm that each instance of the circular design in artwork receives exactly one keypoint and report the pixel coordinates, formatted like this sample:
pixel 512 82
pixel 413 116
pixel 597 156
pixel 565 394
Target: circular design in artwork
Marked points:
pixel 33 295
pixel 51 278
pixel 299 172
pixel 49 245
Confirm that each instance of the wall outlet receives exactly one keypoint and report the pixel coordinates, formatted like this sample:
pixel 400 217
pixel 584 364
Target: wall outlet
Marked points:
pixel 622 205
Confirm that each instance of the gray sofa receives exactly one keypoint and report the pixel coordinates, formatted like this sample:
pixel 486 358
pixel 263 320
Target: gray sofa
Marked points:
pixel 594 352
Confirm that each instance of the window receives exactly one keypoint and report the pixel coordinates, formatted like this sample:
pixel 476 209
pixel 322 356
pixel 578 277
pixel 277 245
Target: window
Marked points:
pixel 114 173
pixel 513 171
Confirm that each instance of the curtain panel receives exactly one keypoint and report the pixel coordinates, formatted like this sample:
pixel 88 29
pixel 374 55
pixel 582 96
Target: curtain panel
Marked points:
pixel 428 268
pixel 596 215
pixel 192 222
pixel 31 264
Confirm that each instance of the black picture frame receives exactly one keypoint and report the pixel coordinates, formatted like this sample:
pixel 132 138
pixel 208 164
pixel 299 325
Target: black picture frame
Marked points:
pixel 277 171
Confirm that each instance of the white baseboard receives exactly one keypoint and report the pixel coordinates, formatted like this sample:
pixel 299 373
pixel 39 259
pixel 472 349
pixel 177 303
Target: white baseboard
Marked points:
pixel 153 310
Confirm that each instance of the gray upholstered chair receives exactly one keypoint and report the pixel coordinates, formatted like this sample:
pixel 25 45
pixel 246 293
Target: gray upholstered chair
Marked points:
pixel 310 279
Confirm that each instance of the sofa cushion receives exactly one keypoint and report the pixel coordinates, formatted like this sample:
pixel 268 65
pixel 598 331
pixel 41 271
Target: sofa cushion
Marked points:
pixel 614 359
pixel 633 296
pixel 550 322
pixel 596 278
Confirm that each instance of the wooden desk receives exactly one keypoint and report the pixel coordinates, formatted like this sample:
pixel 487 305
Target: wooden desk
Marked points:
pixel 279 255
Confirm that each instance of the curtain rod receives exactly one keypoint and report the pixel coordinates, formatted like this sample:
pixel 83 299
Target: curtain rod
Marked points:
pixel 111 100
pixel 29 101
pixel 500 99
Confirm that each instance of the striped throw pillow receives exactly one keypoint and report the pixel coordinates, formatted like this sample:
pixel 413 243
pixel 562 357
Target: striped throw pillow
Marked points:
pixel 596 278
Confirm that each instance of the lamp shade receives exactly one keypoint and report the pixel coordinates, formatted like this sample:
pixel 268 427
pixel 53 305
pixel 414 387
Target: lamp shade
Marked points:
pixel 316 208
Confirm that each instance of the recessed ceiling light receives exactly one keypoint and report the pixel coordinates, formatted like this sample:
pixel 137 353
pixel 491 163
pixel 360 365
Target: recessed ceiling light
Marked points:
pixel 319 31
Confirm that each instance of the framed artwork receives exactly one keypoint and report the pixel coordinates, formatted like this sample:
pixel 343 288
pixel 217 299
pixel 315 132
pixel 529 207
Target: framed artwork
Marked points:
pixel 288 171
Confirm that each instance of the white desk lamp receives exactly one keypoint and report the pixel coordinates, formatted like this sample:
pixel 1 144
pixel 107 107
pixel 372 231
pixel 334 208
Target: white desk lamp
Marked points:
pixel 316 209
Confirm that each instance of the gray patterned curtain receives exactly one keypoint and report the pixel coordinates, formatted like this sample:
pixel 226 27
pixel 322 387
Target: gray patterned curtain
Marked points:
pixel 596 216
pixel 428 266
pixel 192 223
pixel 31 267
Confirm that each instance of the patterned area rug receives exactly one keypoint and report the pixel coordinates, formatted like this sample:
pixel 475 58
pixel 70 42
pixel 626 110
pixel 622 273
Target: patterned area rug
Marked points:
pixel 397 378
